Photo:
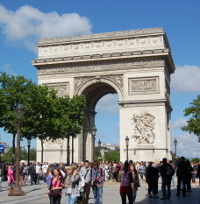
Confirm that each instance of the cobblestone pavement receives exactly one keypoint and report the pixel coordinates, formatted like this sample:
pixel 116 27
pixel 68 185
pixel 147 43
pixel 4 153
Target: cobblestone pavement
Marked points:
pixel 36 195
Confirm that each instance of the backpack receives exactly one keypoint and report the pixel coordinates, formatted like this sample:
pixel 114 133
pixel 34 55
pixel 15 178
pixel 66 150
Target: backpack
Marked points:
pixel 125 181
pixel 169 171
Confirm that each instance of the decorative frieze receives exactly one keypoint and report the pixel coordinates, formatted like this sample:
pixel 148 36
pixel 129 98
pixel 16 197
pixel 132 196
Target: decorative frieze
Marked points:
pixel 61 88
pixel 102 67
pixel 143 85
pixel 144 128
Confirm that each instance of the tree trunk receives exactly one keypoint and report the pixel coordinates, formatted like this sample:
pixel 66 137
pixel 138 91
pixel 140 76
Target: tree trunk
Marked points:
pixel 42 145
pixel 13 144
pixel 68 151
pixel 72 149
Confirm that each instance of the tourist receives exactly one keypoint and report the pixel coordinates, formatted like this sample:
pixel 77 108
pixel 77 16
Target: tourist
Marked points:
pixel 125 185
pixel 181 176
pixel 189 177
pixel 44 171
pixel 73 183
pixel 97 180
pixel 142 170
pixel 136 182
pixel 55 188
pixel 21 173
pixel 198 173
pixel 32 173
pixel 86 172
pixel 11 176
pixel 152 180
pixel 193 171
pixel 166 172
pixel 38 172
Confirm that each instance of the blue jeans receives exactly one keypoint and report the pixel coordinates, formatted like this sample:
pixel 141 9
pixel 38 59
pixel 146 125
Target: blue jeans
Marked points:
pixel 98 194
pixel 193 177
pixel 166 183
pixel 71 200
pixel 134 194
pixel 173 180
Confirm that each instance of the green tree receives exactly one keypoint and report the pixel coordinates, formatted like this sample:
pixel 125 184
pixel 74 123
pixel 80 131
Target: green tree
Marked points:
pixel 7 157
pixel 196 159
pixel 97 154
pixel 193 123
pixel 33 154
pixel 46 116
pixel 112 155
pixel 12 90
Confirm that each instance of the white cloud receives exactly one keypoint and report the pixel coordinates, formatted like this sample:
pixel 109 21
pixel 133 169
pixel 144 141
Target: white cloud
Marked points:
pixel 179 123
pixel 108 104
pixel 7 68
pixel 27 25
pixel 187 145
pixel 186 79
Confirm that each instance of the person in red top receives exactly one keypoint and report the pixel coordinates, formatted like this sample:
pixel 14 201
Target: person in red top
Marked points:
pixel 55 185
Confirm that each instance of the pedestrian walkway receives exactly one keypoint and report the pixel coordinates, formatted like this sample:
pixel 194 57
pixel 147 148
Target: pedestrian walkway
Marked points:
pixel 36 195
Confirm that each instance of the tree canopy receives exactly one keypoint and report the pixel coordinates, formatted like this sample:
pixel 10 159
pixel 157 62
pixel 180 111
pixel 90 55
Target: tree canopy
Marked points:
pixel 193 124
pixel 46 115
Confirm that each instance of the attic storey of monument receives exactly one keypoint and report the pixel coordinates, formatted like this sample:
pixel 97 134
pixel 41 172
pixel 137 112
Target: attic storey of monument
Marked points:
pixel 134 64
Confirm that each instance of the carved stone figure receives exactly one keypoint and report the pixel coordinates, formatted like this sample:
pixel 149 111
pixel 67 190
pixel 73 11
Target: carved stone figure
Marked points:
pixel 144 125
pixel 62 89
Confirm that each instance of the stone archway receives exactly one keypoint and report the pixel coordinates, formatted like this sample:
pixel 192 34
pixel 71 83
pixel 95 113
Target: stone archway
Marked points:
pixel 134 64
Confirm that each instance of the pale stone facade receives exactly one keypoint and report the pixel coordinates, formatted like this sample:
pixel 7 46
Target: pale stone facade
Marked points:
pixel 134 64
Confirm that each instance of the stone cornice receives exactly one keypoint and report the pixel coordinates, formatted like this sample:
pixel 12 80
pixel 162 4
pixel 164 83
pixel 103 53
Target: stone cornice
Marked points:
pixel 98 36
pixel 142 103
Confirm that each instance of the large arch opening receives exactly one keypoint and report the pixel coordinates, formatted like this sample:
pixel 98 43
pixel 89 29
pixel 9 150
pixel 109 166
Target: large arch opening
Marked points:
pixel 102 111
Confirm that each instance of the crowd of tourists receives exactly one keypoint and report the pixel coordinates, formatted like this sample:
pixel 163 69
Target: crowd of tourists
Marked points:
pixel 77 180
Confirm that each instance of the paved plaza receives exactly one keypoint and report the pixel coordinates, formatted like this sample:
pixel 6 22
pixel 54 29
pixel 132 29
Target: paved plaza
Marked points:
pixel 36 194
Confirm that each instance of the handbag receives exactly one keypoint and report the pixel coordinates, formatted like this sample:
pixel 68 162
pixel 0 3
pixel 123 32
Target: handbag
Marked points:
pixel 55 193
pixel 136 184
pixel 94 185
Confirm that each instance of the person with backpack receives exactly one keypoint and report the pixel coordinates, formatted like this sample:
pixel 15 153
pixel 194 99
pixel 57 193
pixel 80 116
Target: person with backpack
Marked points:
pixel 97 180
pixel 85 171
pixel 125 185
pixel 166 171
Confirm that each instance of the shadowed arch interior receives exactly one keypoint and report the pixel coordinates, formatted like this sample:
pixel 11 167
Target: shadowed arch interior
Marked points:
pixel 96 91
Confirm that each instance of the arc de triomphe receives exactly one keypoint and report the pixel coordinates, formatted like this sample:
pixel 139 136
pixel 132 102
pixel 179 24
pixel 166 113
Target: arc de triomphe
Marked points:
pixel 136 65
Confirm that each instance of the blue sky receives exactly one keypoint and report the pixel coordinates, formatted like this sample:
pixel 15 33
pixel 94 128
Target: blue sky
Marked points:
pixel 23 23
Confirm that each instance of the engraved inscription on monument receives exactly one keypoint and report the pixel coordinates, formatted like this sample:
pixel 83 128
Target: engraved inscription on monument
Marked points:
pixel 137 85
pixel 144 128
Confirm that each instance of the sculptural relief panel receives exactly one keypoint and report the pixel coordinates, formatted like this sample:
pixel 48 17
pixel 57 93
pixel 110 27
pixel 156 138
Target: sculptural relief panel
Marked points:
pixel 144 128
pixel 143 85
pixel 61 88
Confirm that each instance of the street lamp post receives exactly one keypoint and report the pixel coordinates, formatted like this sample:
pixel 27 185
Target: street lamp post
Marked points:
pixel 99 144
pixel 93 132
pixel 127 142
pixel 29 145
pixel 175 143
pixel 17 191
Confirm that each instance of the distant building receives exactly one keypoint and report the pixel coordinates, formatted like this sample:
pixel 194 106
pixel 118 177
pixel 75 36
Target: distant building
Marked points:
pixel 107 147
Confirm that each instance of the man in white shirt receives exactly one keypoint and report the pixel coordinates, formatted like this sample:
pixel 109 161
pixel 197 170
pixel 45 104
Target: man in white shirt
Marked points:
pixel 44 171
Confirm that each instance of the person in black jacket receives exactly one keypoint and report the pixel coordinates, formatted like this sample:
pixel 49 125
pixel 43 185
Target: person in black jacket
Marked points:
pixel 152 180
pixel 166 172
pixel 182 176
pixel 198 173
